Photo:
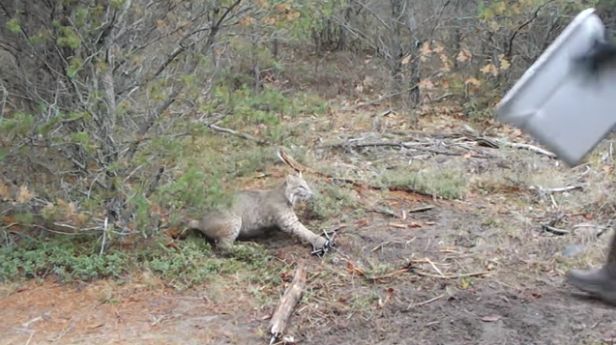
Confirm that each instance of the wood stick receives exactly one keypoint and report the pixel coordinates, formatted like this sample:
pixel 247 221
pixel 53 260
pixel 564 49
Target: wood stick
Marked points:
pixel 555 230
pixel 291 297
pixel 557 189
pixel 415 305
pixel 421 209
pixel 451 276
pixel 529 147
pixel 238 134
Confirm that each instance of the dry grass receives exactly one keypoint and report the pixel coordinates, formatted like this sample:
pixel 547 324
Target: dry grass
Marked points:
pixel 479 253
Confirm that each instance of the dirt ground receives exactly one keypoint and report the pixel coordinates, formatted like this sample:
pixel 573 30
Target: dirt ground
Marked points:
pixel 480 270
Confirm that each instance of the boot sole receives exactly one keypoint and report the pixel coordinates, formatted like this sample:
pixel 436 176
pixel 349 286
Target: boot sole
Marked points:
pixel 597 291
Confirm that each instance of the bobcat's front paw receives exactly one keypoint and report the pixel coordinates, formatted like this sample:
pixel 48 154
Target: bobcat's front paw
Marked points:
pixel 320 246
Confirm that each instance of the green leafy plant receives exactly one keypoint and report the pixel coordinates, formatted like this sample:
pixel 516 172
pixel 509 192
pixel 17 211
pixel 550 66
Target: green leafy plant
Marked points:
pixel 65 258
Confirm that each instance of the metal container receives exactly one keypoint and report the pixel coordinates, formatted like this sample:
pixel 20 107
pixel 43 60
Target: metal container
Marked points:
pixel 557 101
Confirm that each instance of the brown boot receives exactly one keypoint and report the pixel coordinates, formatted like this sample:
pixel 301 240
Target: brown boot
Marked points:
pixel 600 282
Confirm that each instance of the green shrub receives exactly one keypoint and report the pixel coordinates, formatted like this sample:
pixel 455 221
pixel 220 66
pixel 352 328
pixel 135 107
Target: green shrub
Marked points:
pixel 189 263
pixel 65 258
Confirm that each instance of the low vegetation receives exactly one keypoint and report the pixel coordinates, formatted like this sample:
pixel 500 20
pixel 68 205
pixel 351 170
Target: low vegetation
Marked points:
pixel 121 120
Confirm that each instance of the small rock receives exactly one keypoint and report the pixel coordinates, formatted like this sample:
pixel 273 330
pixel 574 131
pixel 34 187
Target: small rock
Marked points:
pixel 573 250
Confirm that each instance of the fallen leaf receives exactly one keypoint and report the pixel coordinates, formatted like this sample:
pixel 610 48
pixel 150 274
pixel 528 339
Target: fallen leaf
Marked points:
pixel 445 61
pixel 96 325
pixel 5 191
pixel 472 81
pixel 362 222
pixel 464 55
pixel 286 277
pixel 283 8
pixel 504 63
pixel 389 295
pixel 247 21
pixel 424 51
pixel 352 268
pixel 24 195
pixel 489 69
pixel 172 245
pixel 8 220
pixel 426 84
pixel 491 318
pixel 406 60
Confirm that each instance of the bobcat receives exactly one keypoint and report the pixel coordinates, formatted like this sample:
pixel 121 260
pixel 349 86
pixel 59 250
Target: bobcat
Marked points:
pixel 256 210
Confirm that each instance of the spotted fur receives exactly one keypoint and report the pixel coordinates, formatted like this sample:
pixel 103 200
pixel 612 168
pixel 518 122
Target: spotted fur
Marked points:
pixel 254 211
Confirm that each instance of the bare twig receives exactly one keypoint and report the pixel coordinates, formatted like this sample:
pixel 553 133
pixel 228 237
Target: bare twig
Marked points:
pixel 55 231
pixel 421 209
pixel 555 230
pixel 434 267
pixel 105 227
pixel 416 146
pixel 332 231
pixel 450 276
pixel 288 160
pixel 534 16
pixel 529 147
pixel 30 337
pixel 380 246
pixel 32 321
pixel 557 189
pixel 433 299
pixel 5 95
pixel 238 134
pixel 601 229
pixel 384 211
pixel 289 300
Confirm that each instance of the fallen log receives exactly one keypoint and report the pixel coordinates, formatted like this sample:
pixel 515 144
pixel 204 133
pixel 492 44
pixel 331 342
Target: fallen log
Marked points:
pixel 289 300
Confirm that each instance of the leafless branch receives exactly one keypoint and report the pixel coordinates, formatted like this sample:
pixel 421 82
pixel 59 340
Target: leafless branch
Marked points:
pixel 238 134
pixel 509 50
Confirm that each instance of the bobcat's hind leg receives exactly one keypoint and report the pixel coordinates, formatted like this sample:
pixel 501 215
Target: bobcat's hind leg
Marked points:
pixel 222 229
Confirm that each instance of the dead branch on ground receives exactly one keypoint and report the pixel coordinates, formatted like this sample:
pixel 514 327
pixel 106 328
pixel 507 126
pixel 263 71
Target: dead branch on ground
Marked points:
pixel 557 189
pixel 528 147
pixel 421 209
pixel 414 146
pixel 238 134
pixel 555 230
pixel 451 276
pixel 287 303
pixel 464 141
pixel 433 299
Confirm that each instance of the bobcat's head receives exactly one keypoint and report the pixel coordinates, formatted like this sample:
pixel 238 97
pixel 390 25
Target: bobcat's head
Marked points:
pixel 296 189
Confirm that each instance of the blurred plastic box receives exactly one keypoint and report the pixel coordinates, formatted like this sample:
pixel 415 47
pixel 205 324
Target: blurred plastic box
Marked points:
pixel 558 102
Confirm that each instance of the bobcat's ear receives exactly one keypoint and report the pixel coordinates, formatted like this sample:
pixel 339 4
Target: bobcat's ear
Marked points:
pixel 289 194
